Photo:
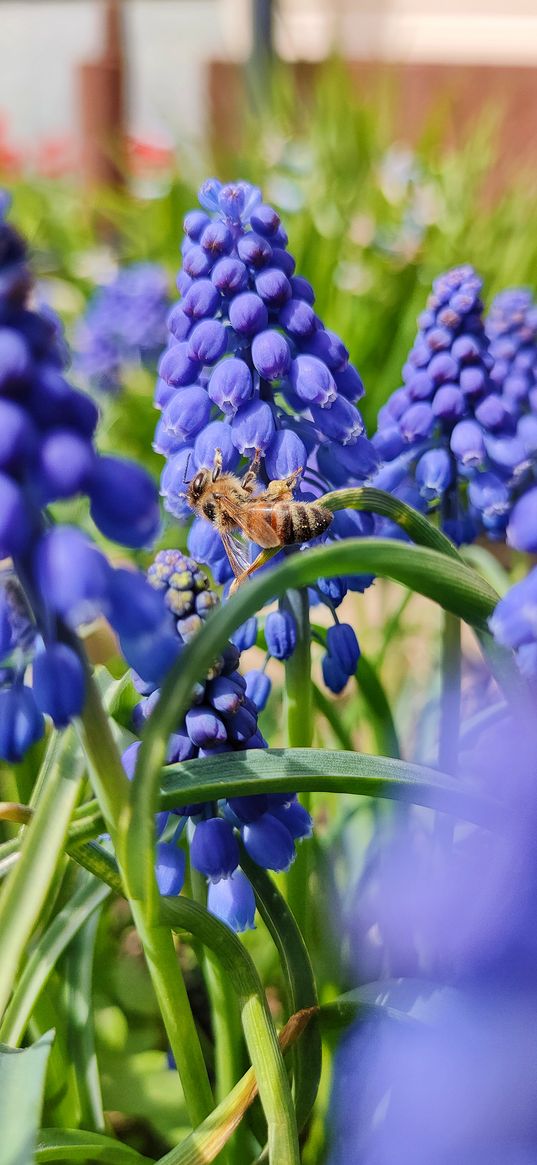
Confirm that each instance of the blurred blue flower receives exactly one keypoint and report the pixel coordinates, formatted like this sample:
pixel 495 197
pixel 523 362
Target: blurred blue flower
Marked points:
pixel 58 579
pixel 124 325
pixel 444 935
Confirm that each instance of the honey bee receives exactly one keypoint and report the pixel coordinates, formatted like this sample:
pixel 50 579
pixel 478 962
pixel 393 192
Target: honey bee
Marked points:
pixel 271 517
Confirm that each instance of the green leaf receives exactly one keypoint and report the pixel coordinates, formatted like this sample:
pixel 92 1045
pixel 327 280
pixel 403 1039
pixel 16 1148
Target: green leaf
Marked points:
pixel 79 1145
pixel 22 1083
pixel 300 983
pixel 376 501
pixel 276 770
pixel 50 946
pixel 25 891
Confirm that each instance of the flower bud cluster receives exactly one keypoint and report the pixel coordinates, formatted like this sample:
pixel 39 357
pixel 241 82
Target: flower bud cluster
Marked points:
pixel 222 718
pixel 512 330
pixel 58 579
pixel 514 623
pixel 123 326
pixel 459 437
pixel 251 369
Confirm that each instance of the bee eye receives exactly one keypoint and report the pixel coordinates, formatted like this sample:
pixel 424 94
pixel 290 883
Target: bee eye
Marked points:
pixel 198 483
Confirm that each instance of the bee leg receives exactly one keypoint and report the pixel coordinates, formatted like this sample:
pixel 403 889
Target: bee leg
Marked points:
pixel 217 464
pixel 250 477
pixel 282 491
pixel 263 557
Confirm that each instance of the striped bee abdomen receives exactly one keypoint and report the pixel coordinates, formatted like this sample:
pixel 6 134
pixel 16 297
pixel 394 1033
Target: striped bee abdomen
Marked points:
pixel 299 521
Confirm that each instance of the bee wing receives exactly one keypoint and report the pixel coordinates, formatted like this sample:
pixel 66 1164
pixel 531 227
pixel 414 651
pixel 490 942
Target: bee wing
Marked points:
pixel 236 552
pixel 253 518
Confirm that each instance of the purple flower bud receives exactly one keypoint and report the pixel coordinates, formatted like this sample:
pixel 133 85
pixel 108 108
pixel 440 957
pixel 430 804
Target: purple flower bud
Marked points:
pixel 507 454
pixel 124 502
pixel 215 435
pixel 197 262
pixel 173 484
pixel 269 843
pixel 163 394
pixel 522 528
pixel 342 643
pixel 514 621
pixel 254 250
pixel 230 385
pixel 177 367
pixel 65 464
pixel 15 521
pixel 200 301
pixel 207 342
pixel 248 314
pixel 295 818
pixel 233 901
pixel 265 220
pixel 225 695
pixel 467 443
pixel 488 494
pixel 388 442
pixel 340 422
pixel 434 473
pixel 442 368
pixel 473 382
pixel 285 455
pixel 194 223
pixel 258 686
pixel 73 577
pixel 204 727
pixel 252 428
pixel 312 381
pixel 493 415
pixel 527 433
pixel 17 435
pixel 448 403
pixel 216 239
pixel 420 386
pixel 229 276
pixel 302 289
pixel 417 421
pixel 466 349
pixel 144 626
pixel 330 349
pixel 243 724
pixel 245 635
pixel 58 683
pixel 21 723
pixel 273 286
pixel 205 545
pixel 280 634
pixel 169 869
pixel 270 354
pixel 183 281
pixel 209 194
pixel 299 320
pixel 334 676
pixel 282 259
pixel 214 849
pixel 349 383
pixel 180 747
pixel 15 361
pixel 186 413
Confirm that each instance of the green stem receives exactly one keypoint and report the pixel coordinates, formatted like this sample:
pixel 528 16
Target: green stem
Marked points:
pixel 450 699
pixel 80 1031
pixel 299 703
pixel 28 885
pixel 112 790
pixel 172 998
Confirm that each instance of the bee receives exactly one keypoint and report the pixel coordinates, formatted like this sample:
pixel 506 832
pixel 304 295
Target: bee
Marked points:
pixel 271 517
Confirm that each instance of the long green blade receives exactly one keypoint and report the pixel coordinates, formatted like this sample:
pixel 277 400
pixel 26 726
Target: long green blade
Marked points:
pixel 22 1082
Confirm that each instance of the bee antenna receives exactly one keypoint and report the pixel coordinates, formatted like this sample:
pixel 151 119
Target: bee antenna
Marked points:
pixel 185 482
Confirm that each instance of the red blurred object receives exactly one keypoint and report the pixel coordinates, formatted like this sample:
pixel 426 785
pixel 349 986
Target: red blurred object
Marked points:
pixel 11 158
pixel 145 156
pixel 56 157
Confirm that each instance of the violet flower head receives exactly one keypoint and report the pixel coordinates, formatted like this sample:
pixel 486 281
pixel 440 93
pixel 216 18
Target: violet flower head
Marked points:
pixel 58 578
pixel 448 934
pixel 251 369
pixel 223 717
pixel 123 326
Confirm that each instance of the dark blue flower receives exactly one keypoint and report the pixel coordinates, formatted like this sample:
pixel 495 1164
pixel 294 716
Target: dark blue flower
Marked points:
pixel 21 722
pixel 58 683
pixel 169 869
pixel 280 634
pixel 232 900
pixel 214 849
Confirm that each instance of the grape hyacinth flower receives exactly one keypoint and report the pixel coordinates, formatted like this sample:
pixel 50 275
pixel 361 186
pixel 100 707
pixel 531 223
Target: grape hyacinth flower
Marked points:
pixel 222 718
pixel 251 369
pixel 451 933
pixel 123 326
pixel 57 578
pixel 512 330
pixel 428 436
pixel 514 623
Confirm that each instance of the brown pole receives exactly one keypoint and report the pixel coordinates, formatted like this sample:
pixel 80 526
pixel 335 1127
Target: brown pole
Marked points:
pixel 101 93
